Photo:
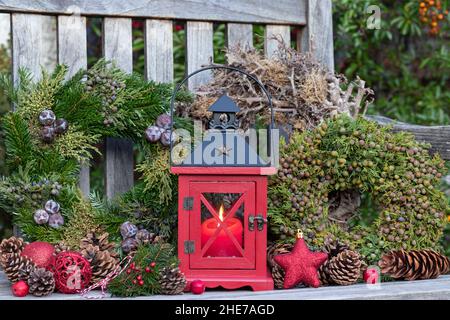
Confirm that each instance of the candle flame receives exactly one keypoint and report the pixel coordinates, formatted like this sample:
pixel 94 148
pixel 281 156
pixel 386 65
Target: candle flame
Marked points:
pixel 221 212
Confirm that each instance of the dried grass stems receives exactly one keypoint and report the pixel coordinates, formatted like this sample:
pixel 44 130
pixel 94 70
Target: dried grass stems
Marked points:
pixel 304 92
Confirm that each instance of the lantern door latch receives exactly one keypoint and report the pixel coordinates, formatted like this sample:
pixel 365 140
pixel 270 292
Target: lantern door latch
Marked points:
pixel 189 246
pixel 188 203
pixel 260 221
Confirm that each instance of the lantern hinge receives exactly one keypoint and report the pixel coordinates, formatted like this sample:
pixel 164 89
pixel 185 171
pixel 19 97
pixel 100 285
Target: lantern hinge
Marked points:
pixel 189 246
pixel 188 203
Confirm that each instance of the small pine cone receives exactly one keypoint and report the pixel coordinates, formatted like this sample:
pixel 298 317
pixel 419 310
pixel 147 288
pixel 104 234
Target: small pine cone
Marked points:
pixel 345 268
pixel 41 282
pixel 60 247
pixel 414 264
pixel 277 272
pixel 102 262
pixel 17 267
pixel 100 241
pixel 335 247
pixel 172 281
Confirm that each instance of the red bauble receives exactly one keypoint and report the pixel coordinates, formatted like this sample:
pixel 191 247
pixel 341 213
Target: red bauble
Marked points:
pixel 72 272
pixel 301 265
pixel 371 276
pixel 20 288
pixel 40 252
pixel 197 287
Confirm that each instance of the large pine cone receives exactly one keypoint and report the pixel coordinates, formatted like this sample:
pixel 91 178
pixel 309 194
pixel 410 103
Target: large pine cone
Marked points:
pixel 17 267
pixel 102 262
pixel 333 248
pixel 41 282
pixel 172 281
pixel 277 272
pixel 414 264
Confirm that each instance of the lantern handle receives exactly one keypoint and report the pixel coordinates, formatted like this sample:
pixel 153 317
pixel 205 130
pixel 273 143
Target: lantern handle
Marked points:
pixel 178 87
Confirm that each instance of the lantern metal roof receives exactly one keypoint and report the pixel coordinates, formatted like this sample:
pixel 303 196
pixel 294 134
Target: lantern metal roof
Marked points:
pixel 224 104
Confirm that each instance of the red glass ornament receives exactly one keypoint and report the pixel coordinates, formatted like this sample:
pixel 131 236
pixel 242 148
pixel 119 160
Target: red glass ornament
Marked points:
pixel 40 252
pixel 72 272
pixel 197 287
pixel 20 288
pixel 371 276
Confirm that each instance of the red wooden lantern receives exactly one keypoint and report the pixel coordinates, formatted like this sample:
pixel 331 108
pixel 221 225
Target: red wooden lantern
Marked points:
pixel 222 205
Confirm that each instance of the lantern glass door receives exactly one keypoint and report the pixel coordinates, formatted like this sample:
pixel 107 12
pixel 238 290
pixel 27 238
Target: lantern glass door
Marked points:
pixel 222 224
pixel 219 225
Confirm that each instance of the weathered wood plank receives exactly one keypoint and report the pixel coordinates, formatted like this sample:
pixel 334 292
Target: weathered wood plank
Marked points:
pixel 437 136
pixel 272 33
pixel 5 26
pixel 72 51
pixel 239 34
pixel 117 46
pixel 435 289
pixel 199 51
pixel 250 11
pixel 159 50
pixel 317 35
pixel 33 43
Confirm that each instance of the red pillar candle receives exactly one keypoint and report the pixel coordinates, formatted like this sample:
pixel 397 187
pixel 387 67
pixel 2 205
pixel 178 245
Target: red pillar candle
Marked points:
pixel 222 245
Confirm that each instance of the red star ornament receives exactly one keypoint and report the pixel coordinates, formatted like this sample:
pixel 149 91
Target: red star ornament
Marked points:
pixel 301 265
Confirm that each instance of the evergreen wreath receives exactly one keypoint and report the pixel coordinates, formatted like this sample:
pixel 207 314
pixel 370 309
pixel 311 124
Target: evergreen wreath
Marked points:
pixel 343 157
pixel 43 162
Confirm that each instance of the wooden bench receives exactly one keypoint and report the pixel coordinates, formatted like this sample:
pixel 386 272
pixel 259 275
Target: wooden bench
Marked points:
pixel 28 27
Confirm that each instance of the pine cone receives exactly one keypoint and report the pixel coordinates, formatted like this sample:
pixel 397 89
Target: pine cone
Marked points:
pixel 41 282
pixel 172 281
pixel 277 272
pixel 10 246
pixel 345 268
pixel 100 241
pixel 17 267
pixel 414 264
pixel 61 247
pixel 333 249
pixel 102 262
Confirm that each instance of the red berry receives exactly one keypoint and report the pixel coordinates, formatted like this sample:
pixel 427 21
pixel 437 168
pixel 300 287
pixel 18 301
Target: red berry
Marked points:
pixel 153 264
pixel 147 269
pixel 139 277
pixel 141 282
pixel 128 271
pixel 134 281
pixel 132 265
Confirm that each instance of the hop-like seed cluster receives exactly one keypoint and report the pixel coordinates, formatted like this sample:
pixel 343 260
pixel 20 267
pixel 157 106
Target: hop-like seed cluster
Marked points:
pixel 345 154
pixel 106 87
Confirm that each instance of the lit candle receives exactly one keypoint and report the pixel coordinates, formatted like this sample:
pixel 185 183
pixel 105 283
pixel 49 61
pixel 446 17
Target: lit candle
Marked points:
pixel 222 246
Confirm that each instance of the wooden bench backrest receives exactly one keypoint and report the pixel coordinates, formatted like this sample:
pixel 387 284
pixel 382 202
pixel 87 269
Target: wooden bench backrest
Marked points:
pixel 29 19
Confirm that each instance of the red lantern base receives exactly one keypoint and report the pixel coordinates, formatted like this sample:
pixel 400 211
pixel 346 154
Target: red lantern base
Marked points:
pixel 233 282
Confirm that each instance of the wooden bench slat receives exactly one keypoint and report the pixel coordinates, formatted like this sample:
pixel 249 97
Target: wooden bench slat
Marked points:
pixel 437 136
pixel 199 51
pixel 317 35
pixel 72 51
pixel 239 34
pixel 117 46
pixel 33 43
pixel 271 44
pixel 250 11
pixel 159 50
